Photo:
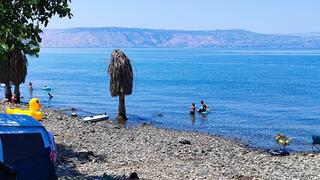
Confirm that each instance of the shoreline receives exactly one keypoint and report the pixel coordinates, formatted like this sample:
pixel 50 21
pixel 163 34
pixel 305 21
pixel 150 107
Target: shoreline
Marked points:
pixel 105 150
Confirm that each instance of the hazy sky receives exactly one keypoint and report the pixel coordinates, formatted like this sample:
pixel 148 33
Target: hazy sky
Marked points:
pixel 264 16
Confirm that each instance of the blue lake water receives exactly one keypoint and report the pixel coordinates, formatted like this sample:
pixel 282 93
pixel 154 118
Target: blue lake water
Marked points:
pixel 252 94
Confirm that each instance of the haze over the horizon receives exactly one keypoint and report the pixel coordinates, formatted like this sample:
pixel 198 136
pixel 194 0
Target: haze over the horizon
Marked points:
pixel 268 16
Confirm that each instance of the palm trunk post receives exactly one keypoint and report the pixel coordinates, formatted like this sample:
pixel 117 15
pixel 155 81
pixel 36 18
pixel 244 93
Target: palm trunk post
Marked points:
pixel 122 108
pixel 17 92
pixel 13 69
pixel 8 92
pixel 121 80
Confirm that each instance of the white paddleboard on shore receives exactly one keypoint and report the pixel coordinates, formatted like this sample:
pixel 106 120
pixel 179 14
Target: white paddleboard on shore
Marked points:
pixel 96 118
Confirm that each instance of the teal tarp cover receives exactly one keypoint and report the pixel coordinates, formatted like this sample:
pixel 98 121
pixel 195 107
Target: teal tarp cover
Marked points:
pixel 26 155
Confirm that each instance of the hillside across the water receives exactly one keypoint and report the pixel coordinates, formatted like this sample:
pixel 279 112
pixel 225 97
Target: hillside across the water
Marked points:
pixel 152 38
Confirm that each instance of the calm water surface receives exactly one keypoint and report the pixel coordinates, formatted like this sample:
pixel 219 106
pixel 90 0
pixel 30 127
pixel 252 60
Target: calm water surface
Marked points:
pixel 252 94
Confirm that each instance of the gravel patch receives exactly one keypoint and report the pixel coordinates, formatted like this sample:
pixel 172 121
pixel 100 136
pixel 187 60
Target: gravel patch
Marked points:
pixel 105 150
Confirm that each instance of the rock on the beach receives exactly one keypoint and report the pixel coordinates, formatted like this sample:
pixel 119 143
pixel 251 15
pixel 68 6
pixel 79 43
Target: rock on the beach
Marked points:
pixel 134 176
pixel 184 141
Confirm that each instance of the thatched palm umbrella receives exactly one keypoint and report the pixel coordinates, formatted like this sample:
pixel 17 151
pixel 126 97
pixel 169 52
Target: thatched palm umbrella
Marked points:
pixel 13 69
pixel 121 79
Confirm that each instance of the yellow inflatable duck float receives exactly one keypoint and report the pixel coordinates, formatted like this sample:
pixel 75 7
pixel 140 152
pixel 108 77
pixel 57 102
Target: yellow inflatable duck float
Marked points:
pixel 283 140
pixel 34 107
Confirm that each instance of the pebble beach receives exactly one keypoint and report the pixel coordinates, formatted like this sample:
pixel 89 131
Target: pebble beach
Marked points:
pixel 108 150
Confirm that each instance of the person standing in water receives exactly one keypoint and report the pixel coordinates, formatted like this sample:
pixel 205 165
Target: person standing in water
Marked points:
pixel 204 107
pixel 30 86
pixel 192 109
pixel 14 98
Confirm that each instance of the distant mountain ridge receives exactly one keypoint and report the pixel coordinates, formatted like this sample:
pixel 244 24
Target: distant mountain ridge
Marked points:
pixel 107 37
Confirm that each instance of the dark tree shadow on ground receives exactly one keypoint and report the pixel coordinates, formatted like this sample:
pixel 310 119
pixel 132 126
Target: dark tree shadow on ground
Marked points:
pixel 68 159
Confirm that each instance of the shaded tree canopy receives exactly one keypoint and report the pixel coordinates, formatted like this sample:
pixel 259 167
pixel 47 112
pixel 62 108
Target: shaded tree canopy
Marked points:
pixel 21 22
pixel 121 75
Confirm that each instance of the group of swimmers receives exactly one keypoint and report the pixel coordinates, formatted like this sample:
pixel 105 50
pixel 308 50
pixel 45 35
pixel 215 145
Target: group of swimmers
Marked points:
pixel 14 96
pixel 45 88
pixel 193 109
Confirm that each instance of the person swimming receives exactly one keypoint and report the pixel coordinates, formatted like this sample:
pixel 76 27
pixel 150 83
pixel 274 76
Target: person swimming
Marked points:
pixel 192 109
pixel 48 90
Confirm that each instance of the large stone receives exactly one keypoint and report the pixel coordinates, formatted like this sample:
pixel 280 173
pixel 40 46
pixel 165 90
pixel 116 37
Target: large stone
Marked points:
pixel 184 141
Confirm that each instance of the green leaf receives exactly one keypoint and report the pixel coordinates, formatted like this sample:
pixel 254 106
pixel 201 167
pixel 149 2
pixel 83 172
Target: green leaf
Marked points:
pixel 19 22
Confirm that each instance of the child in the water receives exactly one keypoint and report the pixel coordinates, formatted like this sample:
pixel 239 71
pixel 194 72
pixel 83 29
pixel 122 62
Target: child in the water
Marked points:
pixel 192 109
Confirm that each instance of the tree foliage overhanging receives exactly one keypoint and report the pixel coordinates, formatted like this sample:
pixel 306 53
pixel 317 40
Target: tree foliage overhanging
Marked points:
pixel 21 22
